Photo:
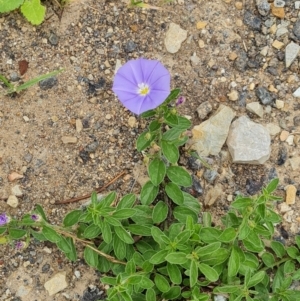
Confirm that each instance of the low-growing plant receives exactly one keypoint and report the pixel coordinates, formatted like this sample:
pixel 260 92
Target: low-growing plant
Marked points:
pixel 160 245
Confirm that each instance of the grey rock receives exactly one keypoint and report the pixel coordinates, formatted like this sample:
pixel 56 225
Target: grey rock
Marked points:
pixel 241 62
pixel 248 142
pixel 14 76
pixel 243 99
pixel 255 108
pixel 48 83
pixel 296 120
pixel 204 109
pixel 252 21
pixel 263 7
pixel 291 52
pixel 210 175
pixel 197 185
pixel 28 157
pixel 45 268
pixel 56 284
pixel 53 39
pixel 272 70
pixel 279 3
pixel 252 186
pixel 281 31
pixel 209 137
pixel 264 96
pixel 91 147
pixel 174 38
pixel 296 29
pixel 130 46
pixel 92 293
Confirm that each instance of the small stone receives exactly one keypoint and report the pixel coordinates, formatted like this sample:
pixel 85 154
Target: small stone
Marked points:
pixel 277 11
pixel 79 125
pixel 132 122
pixel 239 5
pixel 204 109
pixel 277 44
pixel 92 147
pixel 295 163
pixel 77 274
pixel 263 7
pixel 16 190
pixel 291 52
pixel 290 140
pixel 296 121
pixel 174 38
pixel 273 29
pixel 108 116
pixel 14 176
pixel 255 108
pixel 130 46
pixel 195 60
pixel 68 139
pixel 296 29
pixel 283 135
pixel 25 118
pixel 263 95
pixel 297 93
pixel 12 201
pixel 279 3
pixel 92 293
pixel 56 284
pixel 233 95
pixel 201 24
pixel 284 207
pixel 232 56
pixel 297 5
pixel 212 195
pixel 251 20
pixel 273 129
pixel 118 65
pixel 281 31
pixel 279 104
pixel 210 175
pixel 290 191
pixel 48 83
pixel 264 51
pixel 53 39
pixel 201 44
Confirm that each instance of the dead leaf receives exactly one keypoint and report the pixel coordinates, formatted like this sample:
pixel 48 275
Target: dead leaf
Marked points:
pixel 23 66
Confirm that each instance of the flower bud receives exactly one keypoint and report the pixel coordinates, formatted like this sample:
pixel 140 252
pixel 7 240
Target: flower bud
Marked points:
pixel 4 219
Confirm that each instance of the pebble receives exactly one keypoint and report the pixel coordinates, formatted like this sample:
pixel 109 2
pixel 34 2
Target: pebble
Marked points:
pixel 16 190
pixel 233 95
pixel 92 147
pixel 297 5
pixel 290 191
pixel 296 121
pixel 12 201
pixel 108 116
pixel 56 284
pixel 48 83
pixel 283 135
pixel 232 56
pixel 201 44
pixel 132 122
pixel 79 125
pixel 297 93
pixel 255 108
pixel 277 44
pixel 281 31
pixel 263 95
pixel 195 60
pixel 210 175
pixel 273 129
pixel 279 3
pixel 213 194
pixel 263 7
pixel 92 293
pixel 295 163
pixel 130 46
pixel 296 29
pixel 279 104
pixel 174 38
pixel 282 155
pixel 45 268
pixel 14 176
pixel 204 109
pixel 290 140
pixel 248 142
pixel 252 21
pixel 277 11
pixel 77 274
pixel 201 24
pixel 284 207
pixel 291 52
pixel 68 139
pixel 239 5
pixel 53 39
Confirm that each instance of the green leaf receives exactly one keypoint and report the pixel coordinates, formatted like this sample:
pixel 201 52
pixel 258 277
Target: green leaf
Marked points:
pixel 172 96
pixel 72 255
pixel 150 295
pixel 293 252
pixel 278 248
pixel 147 267
pixel 209 272
pixel 160 212
pixel 72 218
pixel 51 234
pixel 144 140
pixel 172 294
pixel 203 251
pixel 146 283
pixel 2 230
pixel 193 273
pixel 253 243
pixel 158 235
pixel 272 186
pixel 256 278
pixel 106 232
pixel 227 235
pixel 15 233
pixel 112 221
pixel 170 151
pixel 124 213
pixel 268 259
pixel 289 267
pixel 176 258
pixel 92 231
pixel 174 193
pixel 109 280
pixel 226 289
pixel 143 215
pixel 64 245
pixel 157 171
pixel 127 201
pixel 191 202
pixel 242 203
pixel 124 235
pixel 139 230
pixel 234 262
pixel 119 247
pixel 9 5
pixel 179 176
pixel 154 126
pixel 33 11
pixel 172 134
pixel 217 257
pixel 38 235
pixel 91 257
pixel 297 240
pixel 181 213
pixel 183 123
pixel 108 200
pixel 171 119
pixel 159 257
pixel 40 211
pixel 148 114
pixel 148 193
pixel 161 283
pixel 174 273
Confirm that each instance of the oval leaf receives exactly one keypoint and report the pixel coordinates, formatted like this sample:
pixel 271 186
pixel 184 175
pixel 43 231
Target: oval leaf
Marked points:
pixel 179 176
pixel 174 193
pixel 170 151
pixel 148 193
pixel 157 171
pixel 160 212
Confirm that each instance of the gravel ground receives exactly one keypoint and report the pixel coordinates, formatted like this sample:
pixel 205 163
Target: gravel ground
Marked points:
pixel 71 135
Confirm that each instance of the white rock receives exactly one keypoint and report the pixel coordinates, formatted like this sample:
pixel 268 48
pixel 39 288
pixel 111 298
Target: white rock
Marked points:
pixel 12 201
pixel 279 3
pixel 209 136
pixel 297 93
pixel 291 52
pixel 204 109
pixel 174 38
pixel 77 274
pixel 279 104
pixel 68 139
pixel 233 95
pixel 248 142
pixel 195 60
pixel 290 140
pixel 281 31
pixel 264 51
pixel 56 284
pixel 79 125
pixel 297 5
pixel 284 207
pixel 273 129
pixel 16 190
pixel 255 108
pixel 295 163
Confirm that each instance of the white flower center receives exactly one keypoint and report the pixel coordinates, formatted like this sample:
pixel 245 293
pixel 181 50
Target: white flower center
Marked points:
pixel 143 89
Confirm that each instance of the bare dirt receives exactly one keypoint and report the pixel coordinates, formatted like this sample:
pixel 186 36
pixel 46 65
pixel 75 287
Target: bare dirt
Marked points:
pixel 86 41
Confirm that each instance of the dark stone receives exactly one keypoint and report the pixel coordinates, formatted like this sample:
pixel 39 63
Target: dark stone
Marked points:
pixel 284 233
pixel 84 155
pixel 86 123
pixel 282 155
pixel 253 64
pixel 296 29
pixel 210 175
pixel 14 77
pixel 252 187
pixel 197 186
pixel 48 83
pixel 280 55
pixel 91 147
pixel 45 268
pixel 241 62
pixel 53 39
pixel 243 99
pixel 130 46
pixel 263 95
pixel 252 21
pixel 272 71
pixel 296 121
pixel 194 163
pixel 272 174
pixel 92 294
pixel 93 87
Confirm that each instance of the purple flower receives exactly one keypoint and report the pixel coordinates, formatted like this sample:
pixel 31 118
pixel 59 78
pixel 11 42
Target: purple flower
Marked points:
pixel 20 245
pixel 142 85
pixel 4 219
pixel 35 217
pixel 180 101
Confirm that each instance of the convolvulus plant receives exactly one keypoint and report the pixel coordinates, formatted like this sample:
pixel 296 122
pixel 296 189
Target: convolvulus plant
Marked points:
pixel 160 245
